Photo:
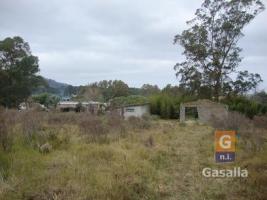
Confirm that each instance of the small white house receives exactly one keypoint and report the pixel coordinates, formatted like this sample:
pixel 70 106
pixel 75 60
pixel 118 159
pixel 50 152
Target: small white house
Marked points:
pixel 89 106
pixel 67 105
pixel 134 110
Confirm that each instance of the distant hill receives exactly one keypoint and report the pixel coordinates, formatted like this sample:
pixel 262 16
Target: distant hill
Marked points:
pixel 54 84
pixel 53 87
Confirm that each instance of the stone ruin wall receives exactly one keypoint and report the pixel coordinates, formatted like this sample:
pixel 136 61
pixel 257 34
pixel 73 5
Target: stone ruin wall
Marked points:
pixel 206 111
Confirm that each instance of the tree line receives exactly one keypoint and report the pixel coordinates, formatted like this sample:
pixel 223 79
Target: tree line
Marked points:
pixel 212 59
pixel 18 71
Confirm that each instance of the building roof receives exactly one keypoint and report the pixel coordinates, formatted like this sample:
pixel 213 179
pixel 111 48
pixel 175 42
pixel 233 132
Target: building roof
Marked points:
pixel 76 102
pixel 68 102
pixel 132 105
pixel 203 102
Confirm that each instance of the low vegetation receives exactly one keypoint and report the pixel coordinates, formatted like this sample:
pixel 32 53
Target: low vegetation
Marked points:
pixel 46 99
pixel 129 100
pixel 165 106
pixel 51 156
pixel 246 106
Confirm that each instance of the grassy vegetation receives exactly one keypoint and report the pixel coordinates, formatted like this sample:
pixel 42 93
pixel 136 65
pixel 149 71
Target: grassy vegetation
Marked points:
pixel 246 106
pixel 109 158
pixel 129 100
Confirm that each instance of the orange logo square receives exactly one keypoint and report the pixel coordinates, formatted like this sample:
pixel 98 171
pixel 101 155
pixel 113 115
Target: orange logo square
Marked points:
pixel 225 141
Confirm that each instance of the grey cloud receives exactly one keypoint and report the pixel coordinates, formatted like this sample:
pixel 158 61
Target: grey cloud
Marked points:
pixel 83 41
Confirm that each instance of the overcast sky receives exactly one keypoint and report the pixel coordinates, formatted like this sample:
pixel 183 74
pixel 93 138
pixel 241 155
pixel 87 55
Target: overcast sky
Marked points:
pixel 79 42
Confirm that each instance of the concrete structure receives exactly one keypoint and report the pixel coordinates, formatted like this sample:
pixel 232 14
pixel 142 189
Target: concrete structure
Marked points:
pixel 134 110
pixel 95 107
pixel 90 106
pixel 32 106
pixel 67 105
pixel 23 106
pixel 206 110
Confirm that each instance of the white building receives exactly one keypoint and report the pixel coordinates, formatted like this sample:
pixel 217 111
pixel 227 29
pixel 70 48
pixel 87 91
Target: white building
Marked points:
pixel 90 106
pixel 134 110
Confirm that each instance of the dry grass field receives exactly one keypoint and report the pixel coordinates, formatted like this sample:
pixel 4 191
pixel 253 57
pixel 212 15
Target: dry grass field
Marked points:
pixel 77 156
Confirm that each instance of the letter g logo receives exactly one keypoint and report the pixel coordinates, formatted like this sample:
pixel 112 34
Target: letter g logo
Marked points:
pixel 225 141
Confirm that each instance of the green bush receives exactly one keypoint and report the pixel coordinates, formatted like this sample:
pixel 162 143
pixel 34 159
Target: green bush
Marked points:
pixel 166 106
pixel 46 99
pixel 129 100
pixel 244 105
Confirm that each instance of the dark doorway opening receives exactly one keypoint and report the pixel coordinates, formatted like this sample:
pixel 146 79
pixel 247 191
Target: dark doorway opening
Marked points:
pixel 191 113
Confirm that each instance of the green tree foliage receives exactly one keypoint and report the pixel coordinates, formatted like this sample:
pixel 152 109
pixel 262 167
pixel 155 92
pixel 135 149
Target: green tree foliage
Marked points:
pixel 164 105
pixel 71 90
pixel 92 92
pixel 18 71
pixel 119 89
pixel 129 100
pixel 260 97
pixel 210 47
pixel 104 90
pixel 243 105
pixel 135 91
pixel 46 99
pixel 243 83
pixel 148 90
pixel 174 91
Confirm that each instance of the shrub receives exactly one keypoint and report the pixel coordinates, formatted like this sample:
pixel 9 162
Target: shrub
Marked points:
pixel 166 106
pixel 247 107
pixel 129 100
pixel 46 99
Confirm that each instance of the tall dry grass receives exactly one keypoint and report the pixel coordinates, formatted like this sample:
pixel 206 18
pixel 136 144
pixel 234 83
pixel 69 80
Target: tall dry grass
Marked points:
pixel 127 159
pixel 250 132
pixel 7 122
